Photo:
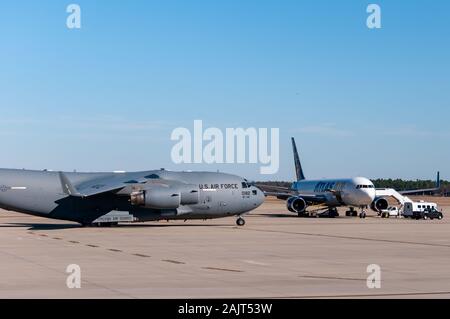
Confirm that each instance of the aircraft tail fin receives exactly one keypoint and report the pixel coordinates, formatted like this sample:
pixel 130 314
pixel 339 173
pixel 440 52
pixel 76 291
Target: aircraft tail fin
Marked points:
pixel 298 164
pixel 438 180
pixel 67 186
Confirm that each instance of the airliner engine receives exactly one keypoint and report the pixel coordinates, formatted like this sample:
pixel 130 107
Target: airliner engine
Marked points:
pixel 296 205
pixel 379 204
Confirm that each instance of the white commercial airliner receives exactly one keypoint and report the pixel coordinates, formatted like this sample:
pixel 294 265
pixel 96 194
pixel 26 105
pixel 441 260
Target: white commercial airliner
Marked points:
pixel 328 194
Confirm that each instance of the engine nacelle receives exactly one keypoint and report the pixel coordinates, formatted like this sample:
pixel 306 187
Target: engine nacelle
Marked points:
pixel 296 205
pixel 190 194
pixel 165 196
pixel 379 204
pixel 157 198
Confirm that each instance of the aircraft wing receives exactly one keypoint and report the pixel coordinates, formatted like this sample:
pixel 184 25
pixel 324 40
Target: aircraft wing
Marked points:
pixel 419 191
pixel 424 190
pixel 277 191
pixel 310 199
pixel 284 193
pixel 93 187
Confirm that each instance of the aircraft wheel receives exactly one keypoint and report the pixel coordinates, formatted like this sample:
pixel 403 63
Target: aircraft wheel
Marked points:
pixel 362 215
pixel 425 217
pixel 240 222
pixel 440 216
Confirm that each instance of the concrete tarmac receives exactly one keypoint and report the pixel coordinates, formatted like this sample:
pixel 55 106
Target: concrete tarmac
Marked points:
pixel 276 255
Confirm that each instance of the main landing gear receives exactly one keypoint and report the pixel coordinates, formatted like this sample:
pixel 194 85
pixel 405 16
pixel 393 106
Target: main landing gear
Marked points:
pixel 332 213
pixel 362 214
pixel 351 213
pixel 100 225
pixel 240 222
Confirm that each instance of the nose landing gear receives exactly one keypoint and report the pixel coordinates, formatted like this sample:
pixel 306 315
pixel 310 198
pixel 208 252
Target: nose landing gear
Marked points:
pixel 362 214
pixel 240 222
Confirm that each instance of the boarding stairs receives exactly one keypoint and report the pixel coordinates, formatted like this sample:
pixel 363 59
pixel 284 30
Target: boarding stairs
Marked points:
pixel 390 192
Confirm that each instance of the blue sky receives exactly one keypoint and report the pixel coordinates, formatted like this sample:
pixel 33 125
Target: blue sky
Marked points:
pixel 107 97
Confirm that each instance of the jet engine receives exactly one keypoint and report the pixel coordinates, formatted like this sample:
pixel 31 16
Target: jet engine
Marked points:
pixel 166 196
pixel 379 204
pixel 190 194
pixel 296 205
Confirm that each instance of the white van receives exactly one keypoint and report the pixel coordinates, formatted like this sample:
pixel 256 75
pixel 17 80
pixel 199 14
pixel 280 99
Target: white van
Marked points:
pixel 417 209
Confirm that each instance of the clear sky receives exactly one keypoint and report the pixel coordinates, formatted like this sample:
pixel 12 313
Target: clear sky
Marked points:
pixel 364 102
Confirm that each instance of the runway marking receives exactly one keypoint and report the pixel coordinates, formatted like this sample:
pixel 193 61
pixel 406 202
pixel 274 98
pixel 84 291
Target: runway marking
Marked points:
pixel 222 269
pixel 333 278
pixel 74 242
pixel 348 237
pixel 174 262
pixel 255 263
pixel 57 238
pixel 115 250
pixel 63 273
pixel 93 246
pixel 43 235
pixel 141 255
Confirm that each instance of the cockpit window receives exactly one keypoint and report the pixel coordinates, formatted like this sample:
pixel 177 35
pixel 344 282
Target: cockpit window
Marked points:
pixel 244 185
pixel 364 186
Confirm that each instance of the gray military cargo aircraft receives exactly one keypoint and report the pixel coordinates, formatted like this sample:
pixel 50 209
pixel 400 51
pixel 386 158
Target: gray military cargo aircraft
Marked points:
pixel 104 199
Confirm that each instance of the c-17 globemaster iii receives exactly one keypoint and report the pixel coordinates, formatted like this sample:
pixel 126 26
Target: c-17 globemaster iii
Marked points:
pixel 107 198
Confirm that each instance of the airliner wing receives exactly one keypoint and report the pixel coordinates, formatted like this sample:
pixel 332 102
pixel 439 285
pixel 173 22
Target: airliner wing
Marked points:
pixel 310 199
pixel 279 195
pixel 277 191
pixel 419 191
pixel 424 190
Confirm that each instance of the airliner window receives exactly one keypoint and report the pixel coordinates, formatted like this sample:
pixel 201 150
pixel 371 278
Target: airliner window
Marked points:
pixel 255 192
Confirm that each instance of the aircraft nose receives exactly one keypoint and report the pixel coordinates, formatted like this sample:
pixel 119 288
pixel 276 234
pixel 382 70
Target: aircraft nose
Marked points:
pixel 260 197
pixel 368 195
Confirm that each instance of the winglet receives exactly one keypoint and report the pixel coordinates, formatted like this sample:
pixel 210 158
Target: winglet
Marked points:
pixel 298 165
pixel 67 186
